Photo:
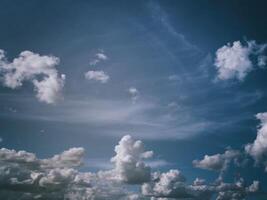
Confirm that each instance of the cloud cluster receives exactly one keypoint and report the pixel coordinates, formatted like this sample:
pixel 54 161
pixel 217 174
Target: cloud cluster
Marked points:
pixel 172 184
pixel 234 60
pixel 22 172
pixel 217 162
pixel 24 176
pixel 100 76
pixel 40 70
pixel 258 149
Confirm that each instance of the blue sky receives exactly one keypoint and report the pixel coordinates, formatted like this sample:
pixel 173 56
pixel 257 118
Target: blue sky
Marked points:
pixel 187 78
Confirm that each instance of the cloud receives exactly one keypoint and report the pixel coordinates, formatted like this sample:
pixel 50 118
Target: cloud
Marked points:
pixel 128 161
pixel 174 77
pixel 199 181
pixel 24 176
pixel 40 70
pixel 258 149
pixel 217 162
pixel 235 191
pixel 134 94
pixel 100 76
pixel 57 177
pixel 234 61
pixel 100 56
pixel 172 185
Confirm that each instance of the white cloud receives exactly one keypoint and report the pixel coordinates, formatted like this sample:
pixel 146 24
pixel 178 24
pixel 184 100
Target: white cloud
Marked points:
pixel 254 187
pixel 100 56
pixel 40 70
pixel 70 158
pixel 235 191
pixel 234 61
pixel 172 185
pixel 217 162
pixel 100 76
pixel 24 176
pixel 258 149
pixel 128 161
pixel 134 94
pixel 199 181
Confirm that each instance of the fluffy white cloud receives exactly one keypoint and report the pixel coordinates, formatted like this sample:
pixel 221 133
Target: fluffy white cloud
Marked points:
pixel 172 185
pixel 40 70
pixel 258 149
pixel 134 94
pixel 100 76
pixel 217 162
pixel 235 191
pixel 24 176
pixel 70 158
pixel 234 61
pixel 100 56
pixel 128 161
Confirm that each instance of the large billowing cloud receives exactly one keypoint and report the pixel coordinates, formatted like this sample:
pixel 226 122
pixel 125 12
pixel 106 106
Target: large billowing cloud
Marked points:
pixel 40 70
pixel 258 149
pixel 234 60
pixel 128 161
pixel 217 162
pixel 24 176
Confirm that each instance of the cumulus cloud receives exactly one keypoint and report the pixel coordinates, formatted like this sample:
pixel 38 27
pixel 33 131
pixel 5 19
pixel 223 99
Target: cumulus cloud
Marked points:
pixel 25 176
pixel 134 94
pixel 217 162
pixel 172 185
pixel 100 76
pixel 199 181
pixel 258 149
pixel 128 161
pixel 100 56
pixel 38 69
pixel 234 60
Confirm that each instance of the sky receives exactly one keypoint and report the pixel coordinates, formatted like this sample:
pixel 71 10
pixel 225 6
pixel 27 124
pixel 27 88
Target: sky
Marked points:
pixel 130 100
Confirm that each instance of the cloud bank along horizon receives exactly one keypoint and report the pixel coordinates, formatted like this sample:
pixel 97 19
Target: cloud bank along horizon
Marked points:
pixel 25 176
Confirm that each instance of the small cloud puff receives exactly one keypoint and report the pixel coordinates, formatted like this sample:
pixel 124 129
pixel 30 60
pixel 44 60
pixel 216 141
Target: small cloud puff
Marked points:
pixel 134 94
pixel 100 76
